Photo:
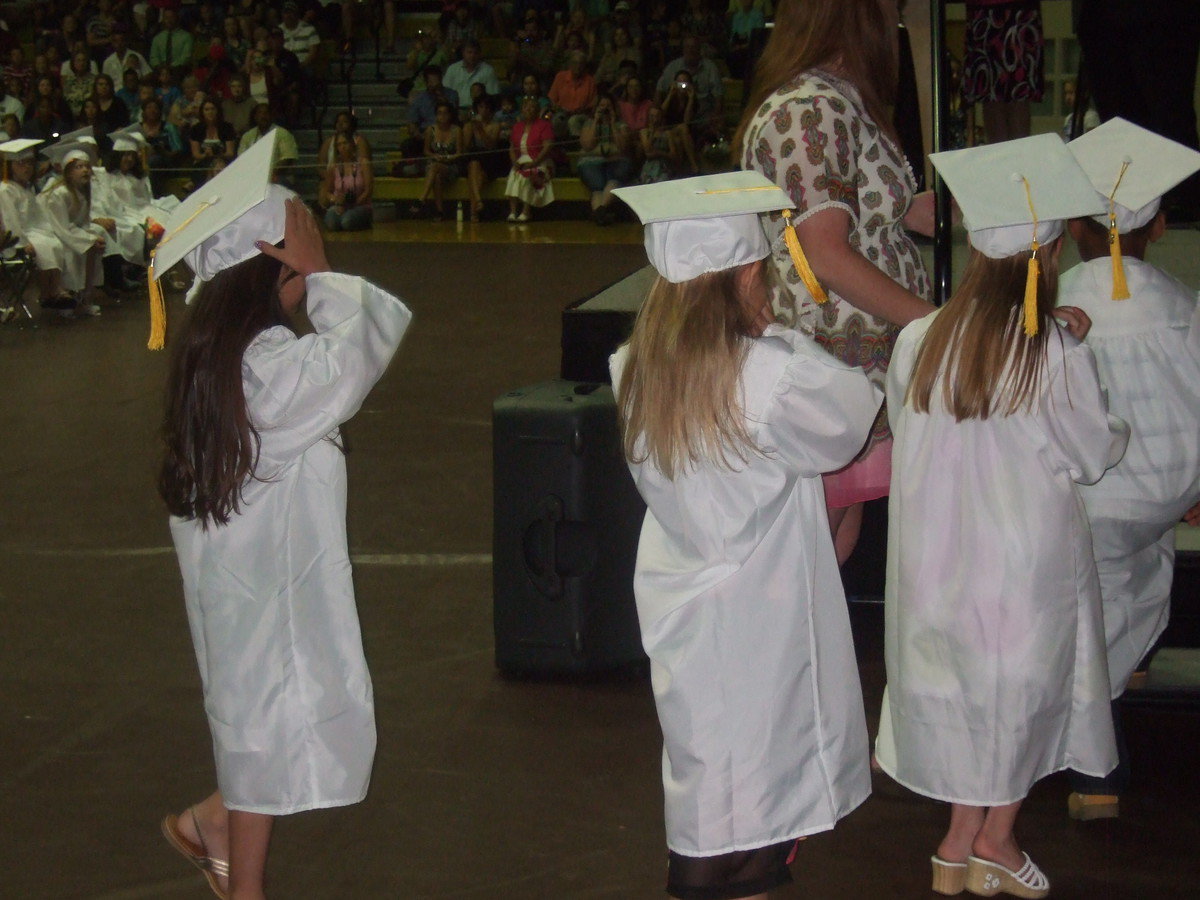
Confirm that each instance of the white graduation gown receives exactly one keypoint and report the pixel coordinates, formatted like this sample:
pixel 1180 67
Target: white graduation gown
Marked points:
pixel 744 619
pixel 994 643
pixel 24 217
pixel 113 199
pixel 1153 382
pixel 71 221
pixel 269 596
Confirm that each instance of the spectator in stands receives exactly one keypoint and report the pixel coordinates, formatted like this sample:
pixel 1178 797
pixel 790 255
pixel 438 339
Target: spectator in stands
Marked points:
pixel 165 144
pixel 426 52
pixel 461 27
pixel 443 154
pixel 17 74
pixel 236 44
pixel 622 50
pixel 422 108
pixel 622 17
pixel 214 71
pixel 185 111
pixel 704 81
pixel 471 69
pixel 172 45
pixel 577 24
pixel 344 123
pixel 10 105
pixel 249 15
pixel 745 17
pixel 46 124
pixel 287 77
pixel 283 165
pixel 99 29
pixel 10 125
pixel 532 51
pixel 607 161
pixel 633 108
pixel 532 87
pixel 572 96
pixel 167 90
pixel 707 25
pixel 46 88
pixel 486 149
pixel 260 84
pixel 129 93
pixel 212 137
pixel 531 178
pixel 70 35
pixel 123 57
pixel 238 107
pixel 678 109
pixel 300 37
pixel 112 111
pixel 78 82
pixel 206 25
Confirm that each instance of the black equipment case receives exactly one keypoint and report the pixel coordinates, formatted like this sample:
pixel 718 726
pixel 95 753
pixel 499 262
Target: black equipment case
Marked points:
pixel 566 520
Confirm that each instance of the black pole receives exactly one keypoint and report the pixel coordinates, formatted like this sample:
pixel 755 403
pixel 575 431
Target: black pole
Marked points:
pixel 942 257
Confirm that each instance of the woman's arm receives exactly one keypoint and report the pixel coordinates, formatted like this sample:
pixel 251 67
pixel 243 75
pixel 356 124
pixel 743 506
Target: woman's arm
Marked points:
pixel 429 142
pixel 325 191
pixel 197 151
pixel 368 177
pixel 589 136
pixel 842 269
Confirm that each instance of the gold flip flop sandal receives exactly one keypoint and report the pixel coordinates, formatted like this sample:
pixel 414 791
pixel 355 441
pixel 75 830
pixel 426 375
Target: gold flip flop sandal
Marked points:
pixel 196 855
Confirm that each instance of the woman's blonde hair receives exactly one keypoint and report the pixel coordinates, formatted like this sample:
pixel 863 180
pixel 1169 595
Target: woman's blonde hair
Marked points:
pixel 856 34
pixel 976 348
pixel 680 402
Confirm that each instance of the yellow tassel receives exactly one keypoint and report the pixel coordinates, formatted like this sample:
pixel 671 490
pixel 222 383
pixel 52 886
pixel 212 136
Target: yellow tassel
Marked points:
pixel 1120 289
pixel 158 310
pixel 801 261
pixel 1031 287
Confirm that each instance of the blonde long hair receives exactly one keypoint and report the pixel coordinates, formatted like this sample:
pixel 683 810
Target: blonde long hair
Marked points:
pixel 976 347
pixel 680 402
pixel 856 34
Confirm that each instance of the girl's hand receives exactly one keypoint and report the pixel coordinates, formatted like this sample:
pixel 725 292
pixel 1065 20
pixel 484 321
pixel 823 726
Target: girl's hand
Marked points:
pixel 1192 516
pixel 1075 320
pixel 303 250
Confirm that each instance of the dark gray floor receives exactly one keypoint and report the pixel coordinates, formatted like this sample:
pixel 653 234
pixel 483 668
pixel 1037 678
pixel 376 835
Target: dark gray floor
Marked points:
pixel 482 787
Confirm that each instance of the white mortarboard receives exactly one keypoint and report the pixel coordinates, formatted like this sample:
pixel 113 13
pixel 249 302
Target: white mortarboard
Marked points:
pixel 128 139
pixel 705 224
pixel 63 153
pixel 1132 167
pixel 1003 189
pixel 21 148
pixel 218 225
pixel 87 133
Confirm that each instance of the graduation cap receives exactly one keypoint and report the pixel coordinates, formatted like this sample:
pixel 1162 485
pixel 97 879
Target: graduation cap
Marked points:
pixel 218 225
pixel 711 223
pixel 1131 168
pixel 128 139
pixel 63 153
pixel 87 133
pixel 1014 198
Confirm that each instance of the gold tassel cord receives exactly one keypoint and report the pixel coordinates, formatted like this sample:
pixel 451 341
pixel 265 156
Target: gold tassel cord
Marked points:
pixel 158 305
pixel 1030 309
pixel 801 261
pixel 1120 289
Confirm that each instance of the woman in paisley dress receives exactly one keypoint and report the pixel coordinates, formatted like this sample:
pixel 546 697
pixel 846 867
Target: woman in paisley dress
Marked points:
pixel 816 124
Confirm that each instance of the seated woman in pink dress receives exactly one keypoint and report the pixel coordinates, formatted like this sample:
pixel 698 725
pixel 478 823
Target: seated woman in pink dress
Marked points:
pixel 530 179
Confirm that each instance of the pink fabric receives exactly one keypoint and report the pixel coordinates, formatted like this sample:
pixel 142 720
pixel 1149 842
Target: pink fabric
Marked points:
pixel 539 132
pixel 636 116
pixel 867 479
pixel 343 184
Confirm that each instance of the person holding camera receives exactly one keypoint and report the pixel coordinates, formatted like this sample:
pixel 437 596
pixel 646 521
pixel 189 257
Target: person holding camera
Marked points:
pixel 346 191
pixel 678 111
pixel 607 162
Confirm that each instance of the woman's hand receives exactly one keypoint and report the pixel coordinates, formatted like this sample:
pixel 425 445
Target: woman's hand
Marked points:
pixel 303 251
pixel 1192 516
pixel 1075 320
pixel 922 214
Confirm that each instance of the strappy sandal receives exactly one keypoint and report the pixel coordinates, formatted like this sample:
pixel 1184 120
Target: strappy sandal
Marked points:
pixel 197 855
pixel 949 878
pixel 987 878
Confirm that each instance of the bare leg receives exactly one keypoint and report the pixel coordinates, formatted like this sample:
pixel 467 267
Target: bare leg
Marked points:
pixel 965 823
pixel 430 175
pixel 995 841
pixel 249 839
pixel 845 523
pixel 439 187
pixel 525 210
pixel 475 185
pixel 512 206
pixel 213 820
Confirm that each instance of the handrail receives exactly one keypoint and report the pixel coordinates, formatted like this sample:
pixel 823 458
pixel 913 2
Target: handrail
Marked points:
pixel 942 249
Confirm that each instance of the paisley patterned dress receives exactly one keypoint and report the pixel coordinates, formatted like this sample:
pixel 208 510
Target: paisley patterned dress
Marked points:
pixel 814 138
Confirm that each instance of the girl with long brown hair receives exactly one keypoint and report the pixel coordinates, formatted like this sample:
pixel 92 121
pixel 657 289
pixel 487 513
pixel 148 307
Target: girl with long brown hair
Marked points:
pixel 994 639
pixel 728 421
pixel 817 124
pixel 254 477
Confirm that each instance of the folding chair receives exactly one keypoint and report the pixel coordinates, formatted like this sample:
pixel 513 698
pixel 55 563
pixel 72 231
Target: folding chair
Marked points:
pixel 16 268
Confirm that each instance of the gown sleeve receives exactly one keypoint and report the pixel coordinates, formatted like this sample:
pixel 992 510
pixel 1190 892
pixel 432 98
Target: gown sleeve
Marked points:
pixel 75 238
pixel 1083 435
pixel 299 390
pixel 820 412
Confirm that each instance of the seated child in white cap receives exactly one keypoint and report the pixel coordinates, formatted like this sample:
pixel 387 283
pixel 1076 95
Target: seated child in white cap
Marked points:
pixel 993 635
pixel 1141 323
pixel 66 203
pixel 255 481
pixel 728 422
pixel 26 221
